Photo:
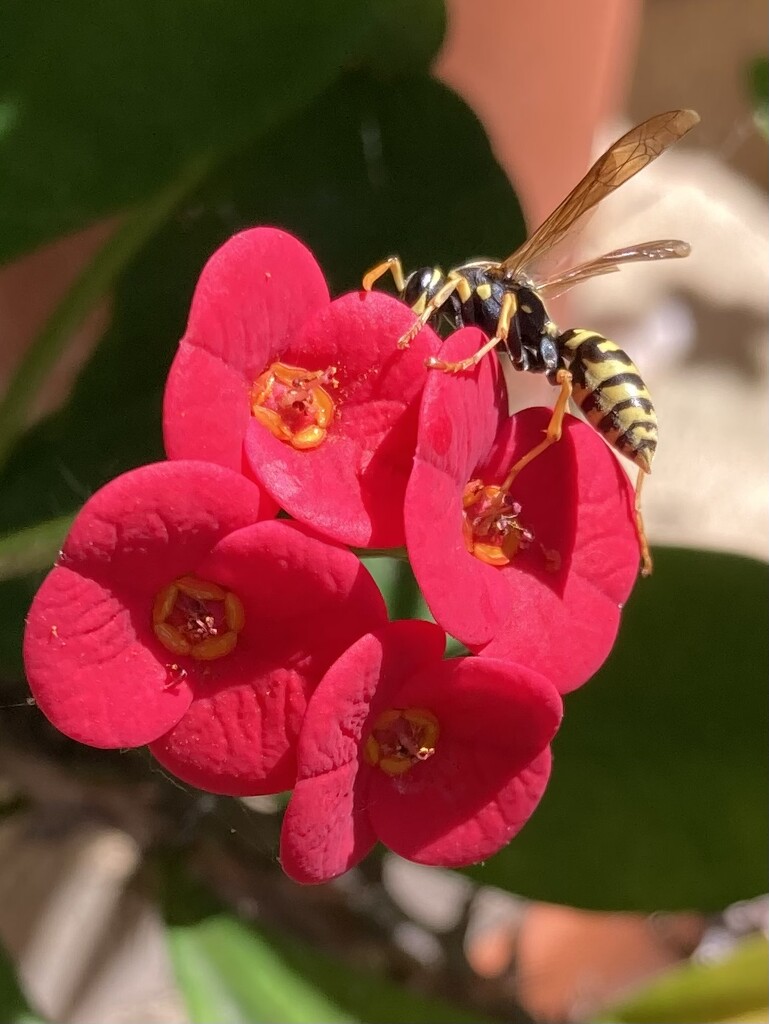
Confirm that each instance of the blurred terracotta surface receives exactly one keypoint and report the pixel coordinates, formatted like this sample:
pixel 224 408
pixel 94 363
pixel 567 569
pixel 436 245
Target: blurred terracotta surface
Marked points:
pixel 541 76
pixel 569 964
pixel 696 53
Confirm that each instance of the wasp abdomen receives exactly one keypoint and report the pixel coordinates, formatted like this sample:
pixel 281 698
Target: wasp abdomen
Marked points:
pixel 611 393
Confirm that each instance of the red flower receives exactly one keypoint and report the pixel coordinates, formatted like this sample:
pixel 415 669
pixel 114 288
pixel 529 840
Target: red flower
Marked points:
pixel 253 296
pixel 325 402
pixel 564 539
pixel 173 618
pixel 443 761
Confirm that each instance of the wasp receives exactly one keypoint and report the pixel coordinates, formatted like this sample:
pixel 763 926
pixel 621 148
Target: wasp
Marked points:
pixel 506 300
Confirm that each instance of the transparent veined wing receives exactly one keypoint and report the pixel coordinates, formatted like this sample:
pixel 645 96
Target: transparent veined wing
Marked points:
pixel 621 162
pixel 608 263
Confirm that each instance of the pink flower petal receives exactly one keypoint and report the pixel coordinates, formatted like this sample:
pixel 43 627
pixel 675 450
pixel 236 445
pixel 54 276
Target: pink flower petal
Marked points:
pixel 93 662
pixel 155 523
pixel 472 796
pixel 326 829
pixel 461 413
pixel 305 603
pixel 351 487
pixel 95 668
pixel 485 830
pixel 566 620
pixel 206 409
pixel 252 297
pixel 239 739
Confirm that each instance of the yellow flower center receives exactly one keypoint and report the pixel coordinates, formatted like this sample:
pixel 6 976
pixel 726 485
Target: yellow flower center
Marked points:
pixel 401 738
pixel 195 617
pixel 294 404
pixel 491 526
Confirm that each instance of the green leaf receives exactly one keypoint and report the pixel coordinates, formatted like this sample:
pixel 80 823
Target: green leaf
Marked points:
pixel 404 37
pixel 103 103
pixel 657 798
pixel 14 1008
pixel 234 973
pixel 395 579
pixel 398 165
pixel 758 83
pixel 369 997
pixel 703 993
pixel 30 550
pixel 231 975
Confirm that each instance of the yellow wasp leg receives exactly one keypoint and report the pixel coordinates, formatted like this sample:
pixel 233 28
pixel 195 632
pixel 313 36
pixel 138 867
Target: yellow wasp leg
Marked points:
pixel 394 265
pixel 506 313
pixel 553 432
pixel 454 283
pixel 646 559
pixel 433 363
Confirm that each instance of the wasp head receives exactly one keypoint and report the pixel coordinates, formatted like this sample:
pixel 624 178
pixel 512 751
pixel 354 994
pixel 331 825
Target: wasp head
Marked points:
pixel 422 284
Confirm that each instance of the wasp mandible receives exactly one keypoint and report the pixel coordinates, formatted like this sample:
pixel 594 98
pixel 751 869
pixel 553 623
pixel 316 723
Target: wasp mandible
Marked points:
pixel 506 300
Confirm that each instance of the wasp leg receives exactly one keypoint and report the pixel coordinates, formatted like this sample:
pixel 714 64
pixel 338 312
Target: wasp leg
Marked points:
pixel 394 265
pixel 454 283
pixel 506 313
pixel 646 559
pixel 433 363
pixel 553 432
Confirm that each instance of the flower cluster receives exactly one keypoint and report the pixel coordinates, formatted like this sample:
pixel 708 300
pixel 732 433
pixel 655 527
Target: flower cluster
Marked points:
pixel 253 655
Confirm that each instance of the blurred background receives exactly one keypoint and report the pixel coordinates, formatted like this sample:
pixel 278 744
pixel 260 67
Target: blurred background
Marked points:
pixel 133 140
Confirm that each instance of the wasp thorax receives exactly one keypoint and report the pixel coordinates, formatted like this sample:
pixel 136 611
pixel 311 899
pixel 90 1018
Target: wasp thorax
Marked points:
pixel 491 524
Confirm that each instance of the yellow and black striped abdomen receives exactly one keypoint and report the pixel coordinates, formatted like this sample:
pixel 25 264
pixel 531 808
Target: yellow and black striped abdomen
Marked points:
pixel 611 393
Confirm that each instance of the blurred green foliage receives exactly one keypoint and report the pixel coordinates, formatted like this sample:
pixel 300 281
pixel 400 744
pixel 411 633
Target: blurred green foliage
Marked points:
pixel 658 793
pixel 235 973
pixel 758 83
pixel 730 989
pixel 106 104
pixel 13 1003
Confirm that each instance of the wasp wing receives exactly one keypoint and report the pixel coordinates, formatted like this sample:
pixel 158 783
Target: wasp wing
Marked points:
pixel 642 252
pixel 619 164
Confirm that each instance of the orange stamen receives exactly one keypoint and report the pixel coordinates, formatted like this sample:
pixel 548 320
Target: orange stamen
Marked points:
pixel 197 618
pixel 491 527
pixel 294 405
pixel 401 738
